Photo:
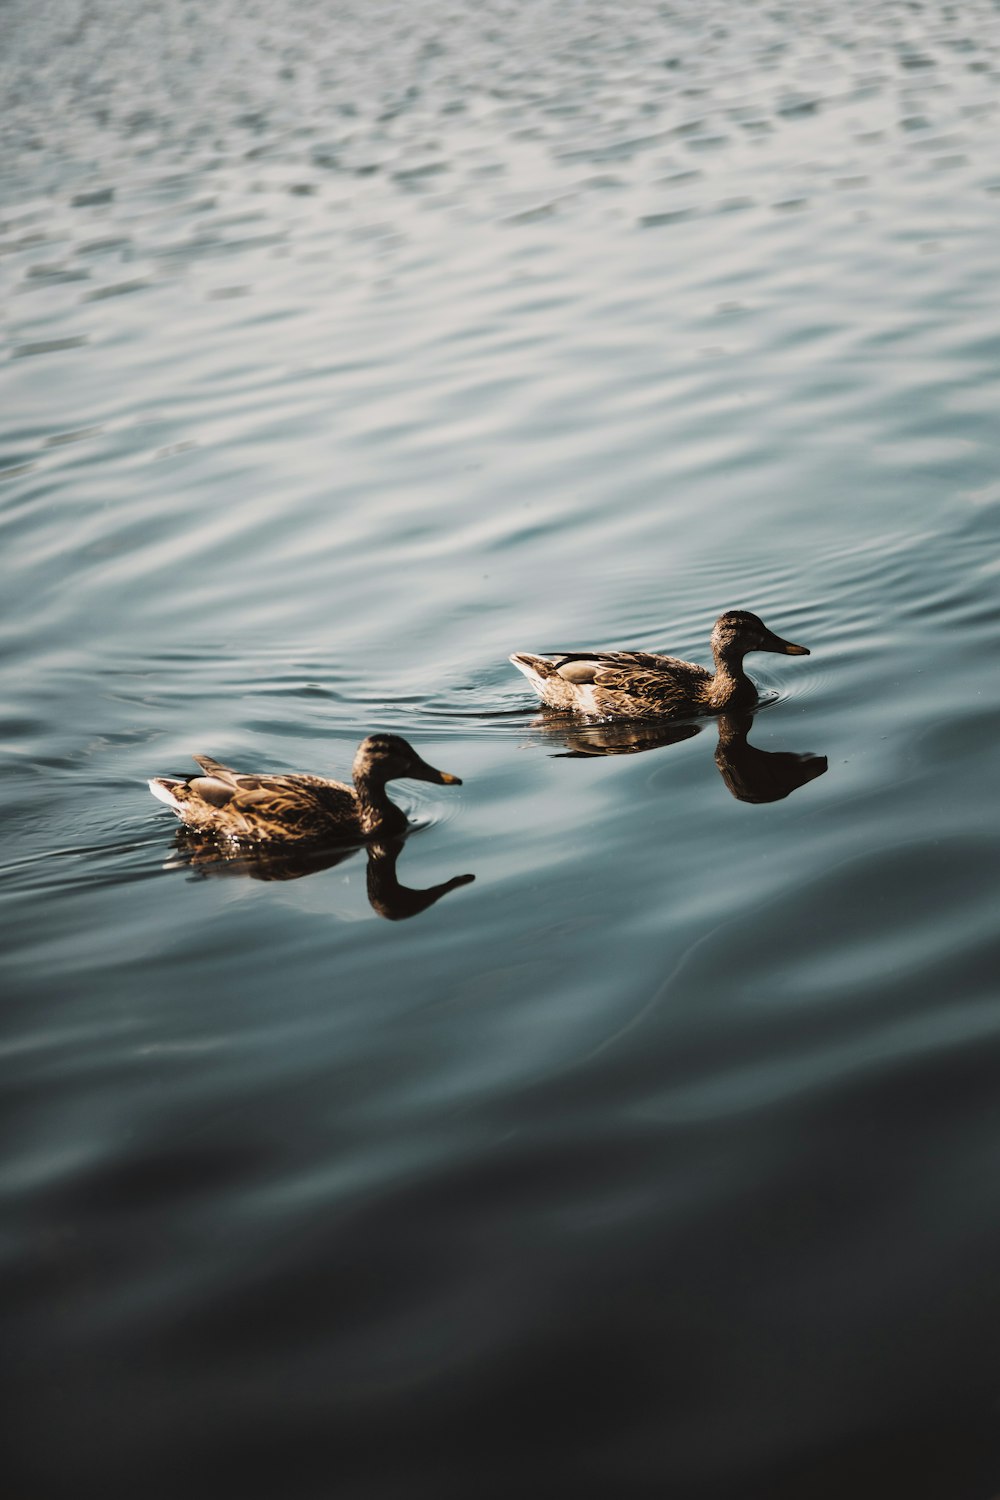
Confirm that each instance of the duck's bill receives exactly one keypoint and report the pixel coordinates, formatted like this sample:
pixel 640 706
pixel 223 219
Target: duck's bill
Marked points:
pixel 424 772
pixel 786 648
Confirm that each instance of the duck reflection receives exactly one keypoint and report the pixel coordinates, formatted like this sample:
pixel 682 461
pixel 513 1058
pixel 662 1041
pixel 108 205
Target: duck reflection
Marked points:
pixel 611 738
pixel 210 858
pixel 752 775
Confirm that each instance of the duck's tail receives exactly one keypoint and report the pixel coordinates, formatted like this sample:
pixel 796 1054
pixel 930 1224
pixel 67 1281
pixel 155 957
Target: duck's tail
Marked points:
pixel 537 669
pixel 555 685
pixel 168 789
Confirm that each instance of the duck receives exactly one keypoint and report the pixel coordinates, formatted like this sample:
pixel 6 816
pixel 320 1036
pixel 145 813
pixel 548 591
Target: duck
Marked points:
pixel 297 808
pixel 642 685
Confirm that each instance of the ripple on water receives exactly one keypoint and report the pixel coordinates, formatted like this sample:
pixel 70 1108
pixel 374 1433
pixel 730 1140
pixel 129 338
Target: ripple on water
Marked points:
pixel 348 352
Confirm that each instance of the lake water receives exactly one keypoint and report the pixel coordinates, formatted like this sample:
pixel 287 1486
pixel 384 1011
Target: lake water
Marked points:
pixel 346 349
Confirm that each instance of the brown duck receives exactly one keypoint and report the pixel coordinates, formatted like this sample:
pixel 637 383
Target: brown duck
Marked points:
pixel 641 685
pixel 299 809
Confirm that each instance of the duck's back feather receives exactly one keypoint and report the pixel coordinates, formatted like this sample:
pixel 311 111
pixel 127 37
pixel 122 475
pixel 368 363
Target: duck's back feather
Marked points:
pixel 606 682
pixel 249 806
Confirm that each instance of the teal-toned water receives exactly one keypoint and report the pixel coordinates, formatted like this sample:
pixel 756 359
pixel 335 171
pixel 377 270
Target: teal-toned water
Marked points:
pixel 345 350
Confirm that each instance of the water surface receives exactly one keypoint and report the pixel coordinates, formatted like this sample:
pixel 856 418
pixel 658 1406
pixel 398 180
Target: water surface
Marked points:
pixel 346 350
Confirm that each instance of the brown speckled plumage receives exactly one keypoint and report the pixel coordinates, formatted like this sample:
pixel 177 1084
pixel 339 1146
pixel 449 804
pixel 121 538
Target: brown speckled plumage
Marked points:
pixel 297 808
pixel 641 685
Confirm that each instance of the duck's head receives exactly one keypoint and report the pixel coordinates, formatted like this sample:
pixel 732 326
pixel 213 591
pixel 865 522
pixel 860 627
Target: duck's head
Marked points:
pixel 386 757
pixel 738 631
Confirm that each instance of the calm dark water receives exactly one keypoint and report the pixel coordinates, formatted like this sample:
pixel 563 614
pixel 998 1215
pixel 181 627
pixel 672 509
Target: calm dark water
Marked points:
pixel 345 350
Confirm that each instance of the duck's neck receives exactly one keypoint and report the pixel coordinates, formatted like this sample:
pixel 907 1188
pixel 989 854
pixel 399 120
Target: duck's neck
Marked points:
pixel 375 812
pixel 730 687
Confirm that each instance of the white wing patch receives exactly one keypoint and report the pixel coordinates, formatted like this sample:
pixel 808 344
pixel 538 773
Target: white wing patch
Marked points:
pixel 164 791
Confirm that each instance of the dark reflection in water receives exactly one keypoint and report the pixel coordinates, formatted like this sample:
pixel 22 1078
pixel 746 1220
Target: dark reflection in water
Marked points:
pixel 210 858
pixel 752 775
pixel 584 738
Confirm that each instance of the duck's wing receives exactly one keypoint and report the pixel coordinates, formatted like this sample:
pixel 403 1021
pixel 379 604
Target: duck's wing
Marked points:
pixel 286 806
pixel 615 669
pixel 216 768
pixel 217 787
pixel 289 800
pixel 648 684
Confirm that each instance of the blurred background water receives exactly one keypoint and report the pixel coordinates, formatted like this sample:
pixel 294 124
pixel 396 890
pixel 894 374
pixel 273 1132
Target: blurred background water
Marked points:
pixel 347 348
